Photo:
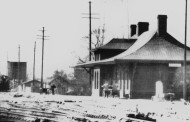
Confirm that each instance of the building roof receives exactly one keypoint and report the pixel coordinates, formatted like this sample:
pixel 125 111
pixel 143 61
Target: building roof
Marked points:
pixel 31 81
pixel 16 62
pixel 149 47
pixel 115 43
pixel 158 49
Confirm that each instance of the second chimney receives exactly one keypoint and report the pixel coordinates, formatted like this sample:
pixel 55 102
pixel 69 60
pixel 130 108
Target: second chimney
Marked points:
pixel 133 30
pixel 142 27
pixel 162 24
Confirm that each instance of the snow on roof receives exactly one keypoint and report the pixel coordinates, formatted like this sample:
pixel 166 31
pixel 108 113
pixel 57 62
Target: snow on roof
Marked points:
pixel 141 41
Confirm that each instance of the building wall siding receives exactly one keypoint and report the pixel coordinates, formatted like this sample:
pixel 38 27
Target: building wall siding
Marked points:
pixel 142 78
pixel 147 74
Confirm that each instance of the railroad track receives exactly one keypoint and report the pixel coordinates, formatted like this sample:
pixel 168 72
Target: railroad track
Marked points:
pixel 30 113
pixel 16 111
pixel 56 112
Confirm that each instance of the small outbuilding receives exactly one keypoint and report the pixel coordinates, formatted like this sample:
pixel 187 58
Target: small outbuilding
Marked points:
pixel 31 86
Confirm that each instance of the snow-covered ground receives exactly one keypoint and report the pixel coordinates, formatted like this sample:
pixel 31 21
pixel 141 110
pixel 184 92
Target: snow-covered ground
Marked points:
pixel 89 109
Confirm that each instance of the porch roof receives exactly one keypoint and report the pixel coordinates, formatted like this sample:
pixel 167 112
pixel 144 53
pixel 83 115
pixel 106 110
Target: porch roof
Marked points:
pixel 93 63
pixel 149 47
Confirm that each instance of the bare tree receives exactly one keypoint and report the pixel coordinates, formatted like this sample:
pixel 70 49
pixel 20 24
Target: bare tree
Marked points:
pixel 99 35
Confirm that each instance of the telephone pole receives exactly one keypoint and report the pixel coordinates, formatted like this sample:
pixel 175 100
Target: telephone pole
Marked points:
pixel 90 36
pixel 43 38
pixel 19 65
pixel 185 55
pixel 34 62
pixel 42 58
pixel 90 28
pixel 90 31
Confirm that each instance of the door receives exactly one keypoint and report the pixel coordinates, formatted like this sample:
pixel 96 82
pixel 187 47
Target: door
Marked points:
pixel 127 86
pixel 96 83
pixel 122 79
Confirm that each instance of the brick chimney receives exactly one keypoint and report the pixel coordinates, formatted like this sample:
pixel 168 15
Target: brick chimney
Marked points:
pixel 162 25
pixel 142 27
pixel 133 30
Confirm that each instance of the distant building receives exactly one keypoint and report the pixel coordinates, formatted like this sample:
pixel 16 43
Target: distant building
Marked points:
pixel 17 71
pixel 31 86
pixel 135 65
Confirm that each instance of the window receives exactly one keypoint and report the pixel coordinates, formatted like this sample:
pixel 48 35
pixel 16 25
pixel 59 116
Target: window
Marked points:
pixel 97 57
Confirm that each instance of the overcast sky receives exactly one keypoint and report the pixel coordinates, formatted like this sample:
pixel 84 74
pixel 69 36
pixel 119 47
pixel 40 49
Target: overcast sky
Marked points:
pixel 21 21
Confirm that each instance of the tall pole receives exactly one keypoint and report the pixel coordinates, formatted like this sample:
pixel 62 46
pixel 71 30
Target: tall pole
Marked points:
pixel 7 63
pixel 90 28
pixel 185 52
pixel 90 36
pixel 42 57
pixel 34 62
pixel 90 40
pixel 19 65
pixel 90 32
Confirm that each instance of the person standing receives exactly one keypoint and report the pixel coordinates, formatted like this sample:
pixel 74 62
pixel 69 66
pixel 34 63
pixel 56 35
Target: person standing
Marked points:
pixel 115 91
pixel 105 89
pixel 53 89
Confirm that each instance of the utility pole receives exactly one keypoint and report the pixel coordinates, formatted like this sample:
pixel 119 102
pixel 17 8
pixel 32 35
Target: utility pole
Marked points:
pixel 19 65
pixel 90 31
pixel 34 62
pixel 90 27
pixel 185 54
pixel 7 63
pixel 43 38
pixel 90 35
pixel 42 58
